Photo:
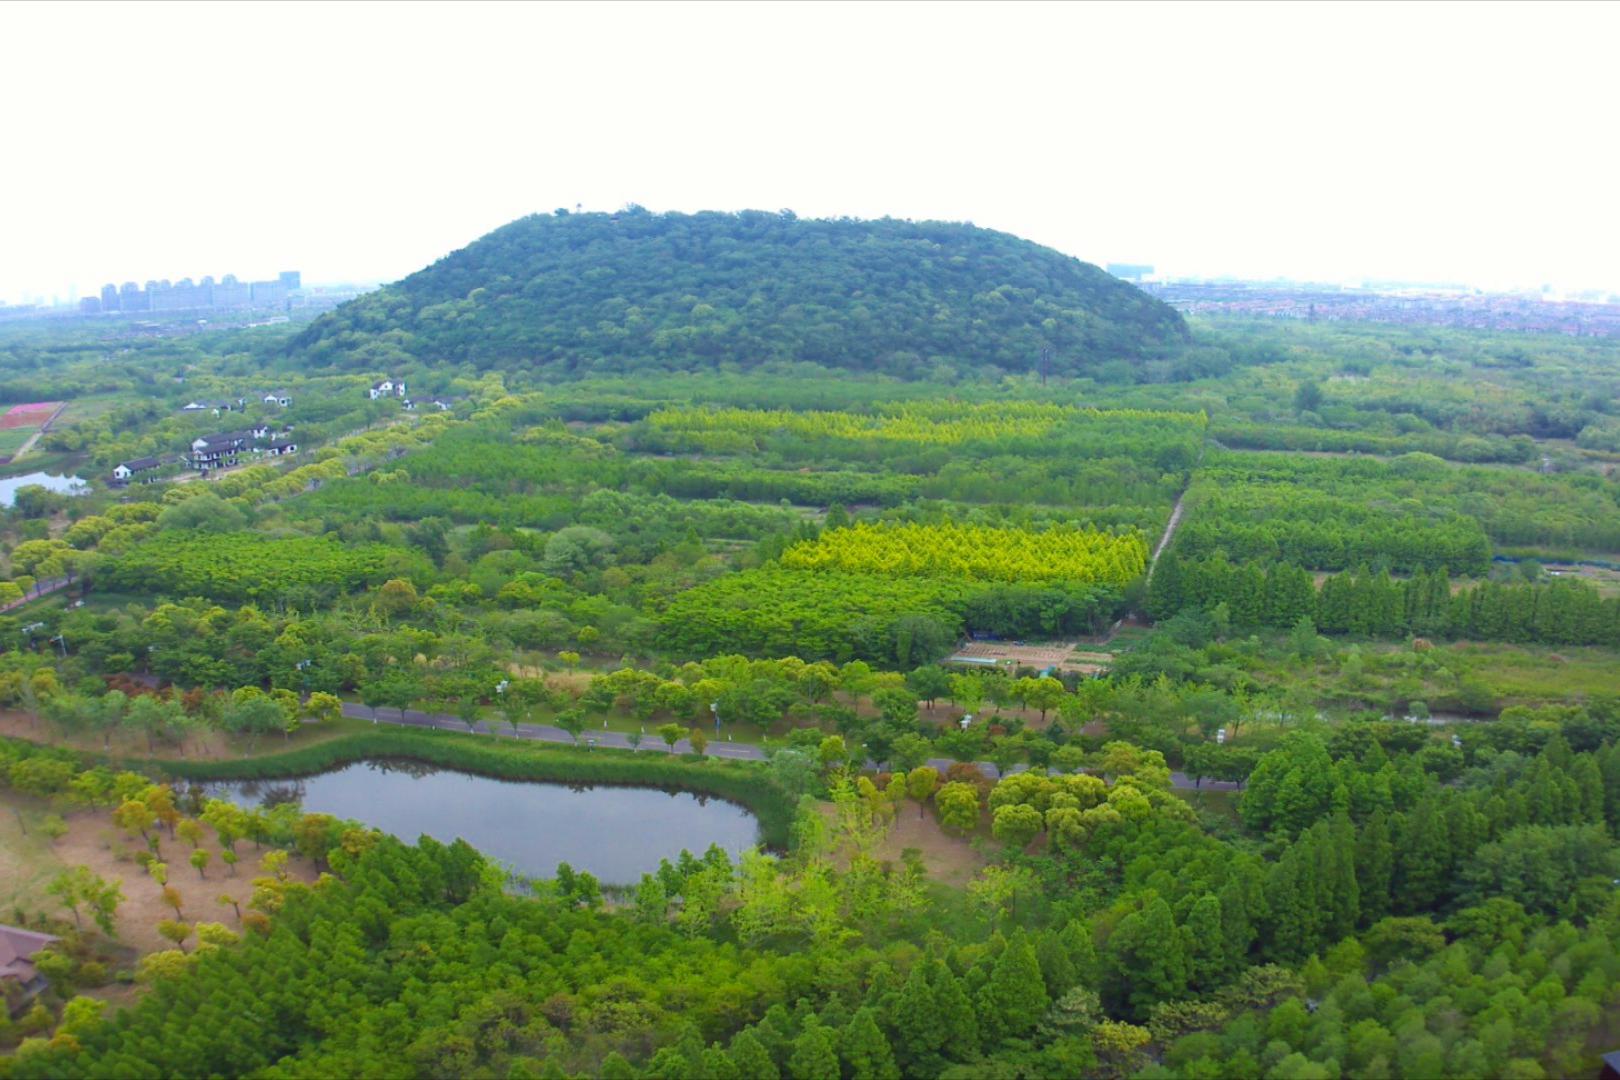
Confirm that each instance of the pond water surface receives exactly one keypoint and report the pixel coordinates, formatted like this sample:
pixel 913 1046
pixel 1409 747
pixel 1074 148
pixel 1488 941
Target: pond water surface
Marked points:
pixel 62 485
pixel 616 833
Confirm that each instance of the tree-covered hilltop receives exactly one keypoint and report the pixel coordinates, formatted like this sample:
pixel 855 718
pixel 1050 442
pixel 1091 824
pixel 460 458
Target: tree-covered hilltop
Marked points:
pixel 636 290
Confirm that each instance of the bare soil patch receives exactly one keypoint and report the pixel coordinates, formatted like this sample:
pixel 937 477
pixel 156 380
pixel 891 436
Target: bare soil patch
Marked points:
pixel 93 840
pixel 33 414
pixel 951 860
pixel 1061 656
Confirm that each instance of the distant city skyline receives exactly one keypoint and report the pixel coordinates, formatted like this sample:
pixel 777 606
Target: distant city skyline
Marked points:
pixel 1325 142
pixel 75 293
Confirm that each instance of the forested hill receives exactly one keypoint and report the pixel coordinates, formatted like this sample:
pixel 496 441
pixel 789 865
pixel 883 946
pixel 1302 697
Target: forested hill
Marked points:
pixel 615 292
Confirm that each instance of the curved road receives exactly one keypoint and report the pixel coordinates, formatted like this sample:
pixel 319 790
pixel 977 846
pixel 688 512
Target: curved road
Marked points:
pixel 618 740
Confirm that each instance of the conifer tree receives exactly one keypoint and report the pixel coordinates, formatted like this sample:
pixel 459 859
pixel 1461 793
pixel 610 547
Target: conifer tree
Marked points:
pixel 1145 961
pixel 919 1029
pixel 1015 998
pixel 1204 942
pixel 751 1057
pixel 865 1050
pixel 1375 867
pixel 813 1056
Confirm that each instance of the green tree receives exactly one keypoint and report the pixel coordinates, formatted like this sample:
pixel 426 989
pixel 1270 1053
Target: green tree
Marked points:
pixel 324 708
pixel 814 1056
pixel 175 931
pixel 919 1025
pixel 1016 824
pixel 1204 944
pixel 958 807
pixel 1144 962
pixel 750 1057
pixel 671 734
pixel 929 683
pixel 920 785
pixel 865 1050
pixel 1014 999
pixel 573 722
pixel 908 752
pixel 1044 694
pixel 77 887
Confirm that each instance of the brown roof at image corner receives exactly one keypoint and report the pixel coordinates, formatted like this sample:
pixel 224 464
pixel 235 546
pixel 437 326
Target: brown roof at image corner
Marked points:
pixel 17 949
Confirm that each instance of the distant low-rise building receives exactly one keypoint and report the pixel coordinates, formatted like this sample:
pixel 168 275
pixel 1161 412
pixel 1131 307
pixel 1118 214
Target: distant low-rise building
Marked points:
pixel 220 451
pixel 18 948
pixel 280 446
pixel 388 388
pixel 142 469
pixel 279 398
pixel 215 407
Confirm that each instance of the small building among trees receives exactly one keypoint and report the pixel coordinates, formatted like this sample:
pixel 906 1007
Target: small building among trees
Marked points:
pixel 142 469
pixel 20 980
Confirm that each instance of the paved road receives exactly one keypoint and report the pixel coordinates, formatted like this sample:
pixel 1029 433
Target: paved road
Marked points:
pixel 652 743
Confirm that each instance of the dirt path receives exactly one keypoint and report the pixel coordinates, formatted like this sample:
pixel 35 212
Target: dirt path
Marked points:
pixel 29 445
pixel 1169 532
pixel 42 429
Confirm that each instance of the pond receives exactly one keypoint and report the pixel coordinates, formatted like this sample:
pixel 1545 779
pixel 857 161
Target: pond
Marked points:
pixel 616 833
pixel 62 485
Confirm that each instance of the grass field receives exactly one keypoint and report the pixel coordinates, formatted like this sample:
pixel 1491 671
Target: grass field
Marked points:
pixel 1508 674
pixel 12 439
pixel 27 862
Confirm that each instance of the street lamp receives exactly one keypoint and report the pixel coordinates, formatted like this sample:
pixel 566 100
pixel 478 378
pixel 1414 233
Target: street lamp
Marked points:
pixel 714 707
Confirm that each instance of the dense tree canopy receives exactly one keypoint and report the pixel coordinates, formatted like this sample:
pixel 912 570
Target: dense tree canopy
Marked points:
pixel 609 292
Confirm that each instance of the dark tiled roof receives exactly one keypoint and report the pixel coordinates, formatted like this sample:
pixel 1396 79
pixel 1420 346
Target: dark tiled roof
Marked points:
pixel 17 949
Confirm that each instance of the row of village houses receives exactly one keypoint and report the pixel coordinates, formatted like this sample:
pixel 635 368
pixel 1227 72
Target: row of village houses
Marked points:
pixel 281 399
pixel 396 388
pixel 211 452
pixel 229 448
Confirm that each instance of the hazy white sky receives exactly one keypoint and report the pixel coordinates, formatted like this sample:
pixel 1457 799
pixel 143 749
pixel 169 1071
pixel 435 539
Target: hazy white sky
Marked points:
pixel 1459 141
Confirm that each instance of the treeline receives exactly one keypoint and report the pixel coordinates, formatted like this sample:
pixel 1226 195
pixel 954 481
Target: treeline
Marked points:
pixel 1378 858
pixel 1243 435
pixel 903 621
pixel 1557 612
pixel 1413 512
pixel 244 566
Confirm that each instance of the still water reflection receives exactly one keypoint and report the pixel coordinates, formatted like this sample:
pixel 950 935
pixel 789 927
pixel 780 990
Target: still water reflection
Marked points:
pixel 617 833
pixel 62 485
